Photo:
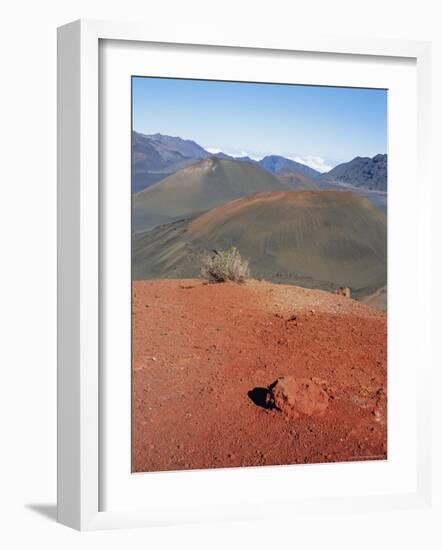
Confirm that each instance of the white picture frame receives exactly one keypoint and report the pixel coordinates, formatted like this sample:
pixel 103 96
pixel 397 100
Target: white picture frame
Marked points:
pixel 79 274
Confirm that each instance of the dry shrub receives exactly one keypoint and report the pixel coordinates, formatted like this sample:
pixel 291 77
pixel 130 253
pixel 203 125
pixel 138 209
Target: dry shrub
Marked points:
pixel 224 266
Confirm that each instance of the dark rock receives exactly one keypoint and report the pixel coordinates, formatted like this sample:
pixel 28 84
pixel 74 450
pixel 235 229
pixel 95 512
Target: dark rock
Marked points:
pixel 297 396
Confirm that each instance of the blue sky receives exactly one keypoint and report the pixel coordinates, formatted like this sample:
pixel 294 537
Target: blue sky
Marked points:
pixel 320 126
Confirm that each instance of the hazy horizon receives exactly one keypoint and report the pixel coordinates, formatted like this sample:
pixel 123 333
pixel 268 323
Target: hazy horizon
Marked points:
pixel 315 125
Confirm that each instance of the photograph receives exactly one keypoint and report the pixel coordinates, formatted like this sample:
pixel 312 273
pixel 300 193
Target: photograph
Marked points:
pixel 259 274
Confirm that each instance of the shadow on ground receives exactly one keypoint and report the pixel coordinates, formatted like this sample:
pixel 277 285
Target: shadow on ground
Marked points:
pixel 258 396
pixel 49 511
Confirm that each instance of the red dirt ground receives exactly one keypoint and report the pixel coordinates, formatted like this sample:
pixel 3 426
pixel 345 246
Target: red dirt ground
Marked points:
pixel 199 349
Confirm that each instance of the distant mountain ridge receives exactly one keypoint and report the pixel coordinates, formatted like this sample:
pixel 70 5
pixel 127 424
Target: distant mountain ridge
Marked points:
pixel 157 156
pixel 277 164
pixel 365 172
pixel 176 145
pixel 157 151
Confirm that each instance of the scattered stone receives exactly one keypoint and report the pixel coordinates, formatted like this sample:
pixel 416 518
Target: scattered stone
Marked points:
pixel 343 291
pixel 380 407
pixel 297 396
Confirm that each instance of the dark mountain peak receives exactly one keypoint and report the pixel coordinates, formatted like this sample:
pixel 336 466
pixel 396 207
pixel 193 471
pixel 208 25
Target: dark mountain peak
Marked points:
pixel 278 164
pixel 156 152
pixel 366 172
pixel 380 157
pixel 176 142
pixel 272 158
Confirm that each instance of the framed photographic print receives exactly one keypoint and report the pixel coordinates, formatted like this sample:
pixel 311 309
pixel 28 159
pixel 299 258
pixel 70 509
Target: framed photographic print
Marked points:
pixel 235 246
pixel 259 281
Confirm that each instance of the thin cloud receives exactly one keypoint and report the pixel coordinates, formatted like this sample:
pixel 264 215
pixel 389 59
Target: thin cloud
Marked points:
pixel 317 163
pixel 242 153
pixel 253 156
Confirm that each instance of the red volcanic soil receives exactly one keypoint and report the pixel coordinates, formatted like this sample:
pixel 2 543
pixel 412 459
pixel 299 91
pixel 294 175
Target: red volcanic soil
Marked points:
pixel 205 354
